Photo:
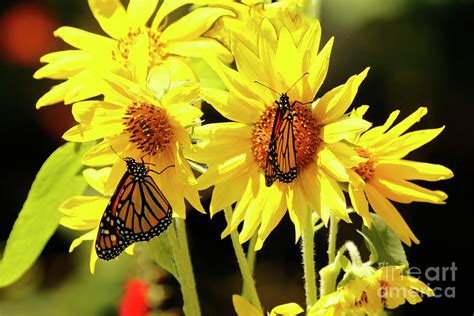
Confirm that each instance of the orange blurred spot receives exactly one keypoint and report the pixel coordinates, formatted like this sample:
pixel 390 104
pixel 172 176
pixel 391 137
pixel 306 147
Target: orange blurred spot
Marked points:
pixel 26 33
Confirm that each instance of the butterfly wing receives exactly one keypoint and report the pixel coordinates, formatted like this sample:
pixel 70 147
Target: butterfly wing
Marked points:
pixel 143 212
pixel 271 173
pixel 110 242
pixel 281 157
pixel 285 148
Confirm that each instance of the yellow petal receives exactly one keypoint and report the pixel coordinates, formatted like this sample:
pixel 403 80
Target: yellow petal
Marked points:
pixel 93 259
pixel 102 154
pixel 334 103
pixel 183 113
pixel 331 165
pixel 97 178
pixel 168 6
pixel 288 309
pixel 186 92
pixel 193 24
pixel 94 112
pixel 54 95
pixel 345 128
pixel 236 83
pixel 390 215
pixel 373 135
pixel 286 51
pixel 231 106
pixel 243 307
pixel 90 42
pixel 223 197
pixel 333 197
pixel 346 154
pixel 138 58
pixel 220 141
pixel 297 209
pixel 360 204
pixel 404 125
pixel 403 145
pixel 201 47
pixel 87 236
pixel 63 64
pixel 85 133
pixel 225 171
pixel 82 212
pixel 406 192
pixel 111 16
pixel 318 69
pixel 140 11
pixel 412 170
pixel 274 209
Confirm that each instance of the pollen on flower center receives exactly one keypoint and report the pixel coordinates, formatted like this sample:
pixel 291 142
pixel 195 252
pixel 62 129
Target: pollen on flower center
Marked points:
pixel 156 54
pixel 148 127
pixel 365 170
pixel 306 131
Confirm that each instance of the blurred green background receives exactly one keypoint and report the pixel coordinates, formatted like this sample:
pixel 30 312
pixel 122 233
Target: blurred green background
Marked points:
pixel 420 53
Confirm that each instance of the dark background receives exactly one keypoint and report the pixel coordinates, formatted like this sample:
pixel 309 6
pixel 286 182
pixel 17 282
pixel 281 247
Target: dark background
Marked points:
pixel 420 54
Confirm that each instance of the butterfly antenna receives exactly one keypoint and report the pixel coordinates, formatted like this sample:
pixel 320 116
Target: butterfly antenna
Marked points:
pixel 266 87
pixel 116 153
pixel 306 73
pixel 162 170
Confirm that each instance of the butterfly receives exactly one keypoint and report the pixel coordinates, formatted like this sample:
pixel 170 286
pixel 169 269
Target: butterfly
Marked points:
pixel 281 156
pixel 137 211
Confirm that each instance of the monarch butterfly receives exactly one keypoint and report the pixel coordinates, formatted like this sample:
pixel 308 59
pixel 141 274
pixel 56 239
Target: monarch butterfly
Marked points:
pixel 137 211
pixel 281 156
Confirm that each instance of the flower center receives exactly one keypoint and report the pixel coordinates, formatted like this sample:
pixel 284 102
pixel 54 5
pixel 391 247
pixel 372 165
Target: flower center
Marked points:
pixel 365 170
pixel 306 131
pixel 156 55
pixel 148 127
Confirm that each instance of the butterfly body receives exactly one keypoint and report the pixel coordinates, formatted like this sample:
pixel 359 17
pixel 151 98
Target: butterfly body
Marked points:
pixel 137 211
pixel 281 156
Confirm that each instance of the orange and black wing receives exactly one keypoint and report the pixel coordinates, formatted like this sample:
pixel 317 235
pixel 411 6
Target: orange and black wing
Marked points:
pixel 281 157
pixel 110 242
pixel 143 212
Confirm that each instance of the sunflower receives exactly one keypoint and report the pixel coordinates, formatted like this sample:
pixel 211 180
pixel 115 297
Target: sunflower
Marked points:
pixel 134 121
pixel 249 16
pixel 236 151
pixel 386 176
pixel 167 44
pixel 372 293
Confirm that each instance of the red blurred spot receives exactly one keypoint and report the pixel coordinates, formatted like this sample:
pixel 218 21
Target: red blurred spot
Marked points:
pixel 26 33
pixel 134 302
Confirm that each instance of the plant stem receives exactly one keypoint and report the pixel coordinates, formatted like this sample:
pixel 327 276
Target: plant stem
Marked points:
pixel 251 256
pixel 333 228
pixel 184 266
pixel 309 263
pixel 313 8
pixel 247 277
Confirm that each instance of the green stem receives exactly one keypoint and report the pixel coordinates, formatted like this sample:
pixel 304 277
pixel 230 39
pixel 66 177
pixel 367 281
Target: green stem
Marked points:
pixel 184 266
pixel 248 281
pixel 251 253
pixel 313 8
pixel 309 263
pixel 353 253
pixel 333 228
pixel 251 257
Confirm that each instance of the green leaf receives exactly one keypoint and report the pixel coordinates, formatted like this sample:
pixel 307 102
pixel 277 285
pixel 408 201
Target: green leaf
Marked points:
pixel 374 255
pixel 387 244
pixel 207 76
pixel 161 252
pixel 58 179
